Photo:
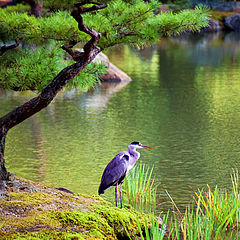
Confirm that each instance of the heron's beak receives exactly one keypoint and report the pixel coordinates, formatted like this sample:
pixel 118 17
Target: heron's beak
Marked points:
pixel 145 146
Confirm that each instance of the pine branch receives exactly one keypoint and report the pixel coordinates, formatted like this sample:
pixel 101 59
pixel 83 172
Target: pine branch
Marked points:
pixel 36 104
pixel 43 37
pixel 132 20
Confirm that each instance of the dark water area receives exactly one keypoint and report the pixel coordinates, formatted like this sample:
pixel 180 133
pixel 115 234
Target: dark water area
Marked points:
pixel 184 100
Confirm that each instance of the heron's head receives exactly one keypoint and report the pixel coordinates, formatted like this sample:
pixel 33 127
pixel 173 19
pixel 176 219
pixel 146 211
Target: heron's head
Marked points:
pixel 139 145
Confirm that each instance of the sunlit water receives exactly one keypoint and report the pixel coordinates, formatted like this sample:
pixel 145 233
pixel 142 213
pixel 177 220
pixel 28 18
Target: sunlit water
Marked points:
pixel 184 100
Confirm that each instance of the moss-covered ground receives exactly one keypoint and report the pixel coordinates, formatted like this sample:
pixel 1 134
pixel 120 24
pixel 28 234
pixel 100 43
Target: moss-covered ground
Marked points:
pixel 35 211
pixel 221 15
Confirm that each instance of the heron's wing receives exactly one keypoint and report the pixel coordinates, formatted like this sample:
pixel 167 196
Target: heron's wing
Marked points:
pixel 114 172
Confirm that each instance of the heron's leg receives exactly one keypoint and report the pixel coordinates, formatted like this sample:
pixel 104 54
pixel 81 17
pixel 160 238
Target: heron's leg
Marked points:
pixel 116 193
pixel 120 191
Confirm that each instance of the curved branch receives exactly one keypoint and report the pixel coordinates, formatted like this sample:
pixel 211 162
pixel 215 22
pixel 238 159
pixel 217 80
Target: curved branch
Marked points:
pixel 36 104
pixel 76 14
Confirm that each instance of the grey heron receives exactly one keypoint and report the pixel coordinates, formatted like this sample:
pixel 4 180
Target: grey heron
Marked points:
pixel 118 167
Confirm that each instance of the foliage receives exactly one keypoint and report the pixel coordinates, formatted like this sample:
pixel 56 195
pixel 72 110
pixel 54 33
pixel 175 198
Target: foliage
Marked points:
pixel 216 213
pixel 131 22
pixel 121 22
pixel 179 5
pixel 157 229
pixel 173 24
pixel 59 26
pixel 33 67
pixel 140 188
pixel 19 8
pixel 54 5
pixel 88 77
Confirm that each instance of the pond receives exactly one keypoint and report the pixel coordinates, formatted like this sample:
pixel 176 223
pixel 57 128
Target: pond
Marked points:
pixel 184 100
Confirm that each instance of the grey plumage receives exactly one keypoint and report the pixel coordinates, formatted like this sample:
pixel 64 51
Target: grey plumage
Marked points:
pixel 117 168
pixel 114 172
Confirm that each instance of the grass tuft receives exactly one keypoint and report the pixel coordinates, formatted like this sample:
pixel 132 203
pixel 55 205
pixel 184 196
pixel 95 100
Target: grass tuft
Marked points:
pixel 214 215
pixel 140 188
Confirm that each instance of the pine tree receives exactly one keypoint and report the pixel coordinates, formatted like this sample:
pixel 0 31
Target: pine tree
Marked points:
pixel 132 22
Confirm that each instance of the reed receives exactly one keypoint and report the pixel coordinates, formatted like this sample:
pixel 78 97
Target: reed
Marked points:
pixel 141 193
pixel 157 230
pixel 214 214
pixel 193 226
pixel 140 188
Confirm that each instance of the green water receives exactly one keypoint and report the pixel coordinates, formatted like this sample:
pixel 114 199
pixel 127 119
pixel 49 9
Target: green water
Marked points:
pixel 184 101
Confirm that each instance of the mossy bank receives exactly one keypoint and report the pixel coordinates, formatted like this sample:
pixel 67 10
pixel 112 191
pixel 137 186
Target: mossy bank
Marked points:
pixel 35 211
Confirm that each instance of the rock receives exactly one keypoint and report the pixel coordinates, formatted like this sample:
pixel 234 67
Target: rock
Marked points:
pixel 215 5
pixel 224 6
pixel 212 27
pixel 42 212
pixel 64 190
pixel 232 23
pixel 232 38
pixel 113 74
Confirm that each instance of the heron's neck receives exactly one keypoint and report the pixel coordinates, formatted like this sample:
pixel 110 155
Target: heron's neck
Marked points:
pixel 134 155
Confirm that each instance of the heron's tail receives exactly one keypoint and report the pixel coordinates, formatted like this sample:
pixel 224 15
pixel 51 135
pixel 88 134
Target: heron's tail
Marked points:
pixel 100 190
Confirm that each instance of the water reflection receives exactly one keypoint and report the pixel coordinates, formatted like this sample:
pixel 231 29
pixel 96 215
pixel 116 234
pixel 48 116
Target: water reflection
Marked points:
pixel 97 99
pixel 184 100
pixel 198 82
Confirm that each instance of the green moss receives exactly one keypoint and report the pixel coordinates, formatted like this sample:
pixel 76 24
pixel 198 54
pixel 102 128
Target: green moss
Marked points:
pixel 220 15
pixel 123 221
pixel 32 198
pixel 19 8
pixel 92 222
pixel 51 214
pixel 51 235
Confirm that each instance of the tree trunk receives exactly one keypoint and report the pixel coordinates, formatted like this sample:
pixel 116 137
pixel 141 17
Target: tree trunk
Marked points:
pixel 36 10
pixel 36 7
pixel 36 104
pixel 3 171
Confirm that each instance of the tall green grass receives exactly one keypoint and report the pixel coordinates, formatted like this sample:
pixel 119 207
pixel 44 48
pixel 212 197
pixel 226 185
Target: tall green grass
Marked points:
pixel 213 214
pixel 141 193
pixel 157 228
pixel 140 188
